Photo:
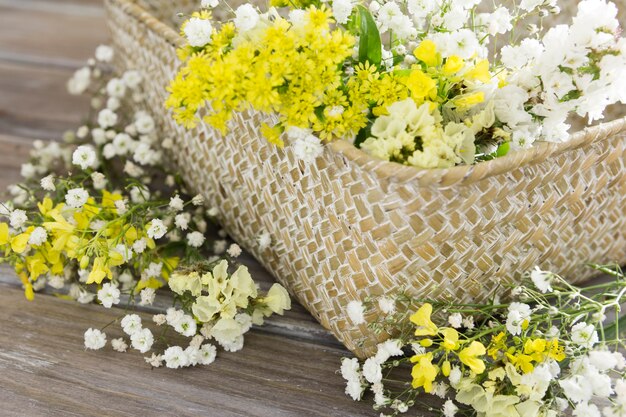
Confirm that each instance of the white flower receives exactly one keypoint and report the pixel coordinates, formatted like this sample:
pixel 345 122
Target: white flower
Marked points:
pixel 234 250
pixel 449 409
pixel 157 229
pixel 104 53
pixel 342 9
pixel 387 349
pixel 350 368
pixel 17 218
pixel 198 31
pixel 76 197
pixel 47 183
pixel 147 296
pixel 140 245
pixel 209 4
pixel 109 295
pixel 455 376
pixel 206 354
pixel 219 246
pixel 264 240
pixel 584 334
pixel 356 312
pixel 159 319
pixel 186 325
pixel 144 123
pixel 79 82
pixel 372 371
pixel 307 148
pixel 468 322
pixel 233 346
pixel 541 279
pixel 95 339
pixel 155 360
pixel 195 239
pixel 119 345
pixel 116 88
pixel 518 313
pixel 153 270
pixel 586 410
pixel 455 320
pixel 85 157
pixel 176 203
pixel 577 389
pixel 132 78
pixel 354 388
pixel 120 206
pixel 107 118
pixel 182 220
pixel 56 281
pixel 28 170
pixel 131 323
pixel 246 18
pixel 440 389
pixel 175 357
pixel 387 305
pixel 142 340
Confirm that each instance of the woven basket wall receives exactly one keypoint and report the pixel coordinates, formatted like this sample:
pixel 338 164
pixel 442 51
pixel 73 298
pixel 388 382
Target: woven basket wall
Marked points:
pixel 350 226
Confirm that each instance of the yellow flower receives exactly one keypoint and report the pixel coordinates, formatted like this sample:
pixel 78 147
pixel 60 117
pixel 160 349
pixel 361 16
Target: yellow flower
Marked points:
pixel 466 101
pixel 421 318
pixel 4 233
pixel 99 271
pixel 423 372
pixel 450 339
pixel 446 368
pixel 421 86
pixel 521 362
pixel 555 351
pixel 453 65
pixel 272 134
pixel 20 242
pixel 277 299
pixel 426 52
pixel 480 72
pixel 497 345
pixel 469 356
pixel 179 283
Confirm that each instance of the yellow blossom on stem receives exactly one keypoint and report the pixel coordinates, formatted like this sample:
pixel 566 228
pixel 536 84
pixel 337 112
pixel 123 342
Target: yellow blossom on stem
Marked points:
pixel 470 357
pixel 4 233
pixel 421 318
pixel 426 52
pixel 423 372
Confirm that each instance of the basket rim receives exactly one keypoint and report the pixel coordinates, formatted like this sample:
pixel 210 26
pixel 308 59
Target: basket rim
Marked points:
pixel 398 173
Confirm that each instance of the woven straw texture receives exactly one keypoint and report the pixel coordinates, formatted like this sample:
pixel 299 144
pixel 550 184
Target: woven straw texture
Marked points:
pixel 349 226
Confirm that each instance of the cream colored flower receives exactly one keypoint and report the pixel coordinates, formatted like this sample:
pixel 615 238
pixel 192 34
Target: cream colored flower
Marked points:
pixel 179 283
pixel 226 330
pixel 277 299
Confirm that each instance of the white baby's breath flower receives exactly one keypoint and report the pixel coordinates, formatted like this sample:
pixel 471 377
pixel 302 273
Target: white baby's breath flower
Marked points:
pixel 142 340
pixel 186 325
pixel 455 320
pixel 584 334
pixel 76 197
pixel 455 376
pixel 144 123
pixel 246 18
pixel 197 200
pixel 219 246
pixel 206 354
pixel 356 312
pixel 82 132
pixel 109 295
pixel 95 339
pixel 518 313
pixel 56 282
pixel 541 279
pixel 159 319
pixel 113 103
pixel 120 206
pixel 147 296
pixel 449 409
pixel 79 82
pixel 28 170
pixel 209 4
pixel 155 360
pixel 119 345
pixel 233 346
pixel 47 183
pixel 85 157
pixel 17 218
pixel 264 240
pixel 468 322
pixel 116 88
pixel 132 78
pixel 131 323
pixel 175 357
pixel 342 9
pixel 234 250
pixel 195 239
pixel 153 270
pixel 307 148
pixel 107 118
pixel 157 229
pixel 212 212
pixel 198 31
pixel 387 305
pixel 182 220
pixel 104 53
pixel 176 203
pixel 355 388
pixel 372 370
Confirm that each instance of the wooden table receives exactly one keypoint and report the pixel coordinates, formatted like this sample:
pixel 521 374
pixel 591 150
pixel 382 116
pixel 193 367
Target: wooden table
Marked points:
pixel 287 368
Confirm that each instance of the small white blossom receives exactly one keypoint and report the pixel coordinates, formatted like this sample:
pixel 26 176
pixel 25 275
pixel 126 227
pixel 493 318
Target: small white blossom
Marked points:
pixel 246 18
pixel 175 357
pixel 206 354
pixel 159 319
pixel 182 220
pixel 76 197
pixel 468 322
pixel 198 31
pixel 356 312
pixel 116 88
pixel 387 305
pixel 372 370
pixel 104 53
pixel 107 118
pixel 119 345
pixel 584 334
pixel 109 295
pixel 195 239
pixel 234 250
pixel 95 339
pixel 518 313
pixel 79 82
pixel 155 360
pixel 85 157
pixel 197 200
pixel 17 218
pixel 186 325
pixel 142 340
pixel 455 320
pixel 264 240
pixel 449 409
pixel 541 279
pixel 47 183
pixel 144 123
pixel 219 246
pixel 153 270
pixel 131 323
pixel 147 296
pixel 176 203
pixel 307 148
pixel 157 229
pixel 209 4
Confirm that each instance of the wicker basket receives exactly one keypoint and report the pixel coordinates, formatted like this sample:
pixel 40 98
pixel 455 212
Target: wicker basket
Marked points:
pixel 350 226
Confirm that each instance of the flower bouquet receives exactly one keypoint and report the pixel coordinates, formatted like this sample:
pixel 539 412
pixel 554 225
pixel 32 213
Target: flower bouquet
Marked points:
pixel 447 159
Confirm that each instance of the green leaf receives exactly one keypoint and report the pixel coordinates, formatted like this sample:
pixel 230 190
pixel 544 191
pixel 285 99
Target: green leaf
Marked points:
pixel 370 46
pixel 503 149
pixel 364 133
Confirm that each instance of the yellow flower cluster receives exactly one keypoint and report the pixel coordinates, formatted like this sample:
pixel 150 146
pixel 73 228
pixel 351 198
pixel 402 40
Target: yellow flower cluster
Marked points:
pixel 290 70
pixel 72 240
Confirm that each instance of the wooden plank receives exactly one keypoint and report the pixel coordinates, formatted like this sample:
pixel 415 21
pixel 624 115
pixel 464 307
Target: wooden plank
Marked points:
pixel 65 33
pixel 16 152
pixel 34 102
pixel 44 371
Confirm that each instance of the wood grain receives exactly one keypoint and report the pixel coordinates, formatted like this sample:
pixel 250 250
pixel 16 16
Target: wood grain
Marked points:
pixel 45 371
